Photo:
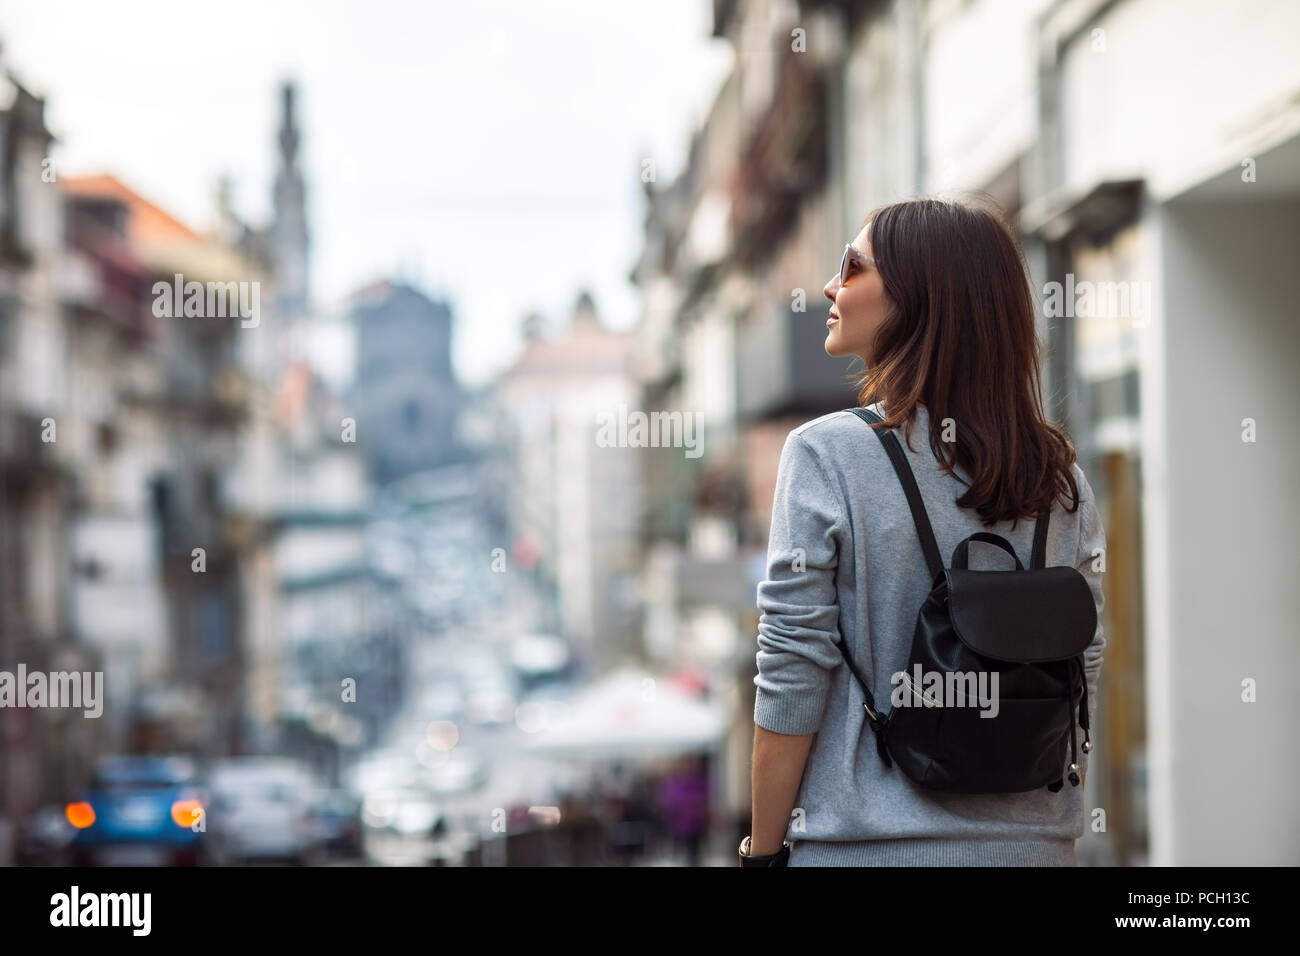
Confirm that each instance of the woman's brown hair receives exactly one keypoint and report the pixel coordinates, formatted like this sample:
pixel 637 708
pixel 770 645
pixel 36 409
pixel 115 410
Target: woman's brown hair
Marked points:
pixel 960 337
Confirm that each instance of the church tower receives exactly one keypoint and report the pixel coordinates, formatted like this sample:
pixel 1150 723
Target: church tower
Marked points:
pixel 289 241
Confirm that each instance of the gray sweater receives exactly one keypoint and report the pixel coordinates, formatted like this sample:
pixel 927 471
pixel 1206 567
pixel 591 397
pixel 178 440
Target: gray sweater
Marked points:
pixel 840 515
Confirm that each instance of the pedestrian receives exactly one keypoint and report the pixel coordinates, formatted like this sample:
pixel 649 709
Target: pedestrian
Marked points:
pixel 684 805
pixel 934 297
pixel 634 827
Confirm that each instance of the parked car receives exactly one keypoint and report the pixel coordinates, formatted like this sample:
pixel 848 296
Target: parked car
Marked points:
pixel 405 811
pixel 261 810
pixel 45 837
pixel 336 823
pixel 540 660
pixel 402 822
pixel 139 811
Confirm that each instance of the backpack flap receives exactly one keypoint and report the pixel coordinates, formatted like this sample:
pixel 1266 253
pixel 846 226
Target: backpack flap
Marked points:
pixel 1043 614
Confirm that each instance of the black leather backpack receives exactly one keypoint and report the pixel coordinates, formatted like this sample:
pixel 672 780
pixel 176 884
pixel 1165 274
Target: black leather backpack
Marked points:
pixel 1029 627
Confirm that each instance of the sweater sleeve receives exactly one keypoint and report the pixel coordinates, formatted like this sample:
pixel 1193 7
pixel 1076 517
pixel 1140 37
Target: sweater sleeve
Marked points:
pixel 798 627
pixel 1088 558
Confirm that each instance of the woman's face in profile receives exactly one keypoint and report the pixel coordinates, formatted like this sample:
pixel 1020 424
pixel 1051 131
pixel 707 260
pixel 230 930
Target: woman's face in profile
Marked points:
pixel 859 305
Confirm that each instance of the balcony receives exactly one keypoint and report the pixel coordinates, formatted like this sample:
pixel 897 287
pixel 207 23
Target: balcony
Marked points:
pixel 783 161
pixel 21 446
pixel 782 367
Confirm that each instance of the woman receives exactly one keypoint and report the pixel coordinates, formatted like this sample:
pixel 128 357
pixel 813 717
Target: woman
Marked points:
pixel 934 297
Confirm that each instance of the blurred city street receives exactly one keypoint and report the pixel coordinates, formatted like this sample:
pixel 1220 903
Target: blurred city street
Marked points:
pixel 392 395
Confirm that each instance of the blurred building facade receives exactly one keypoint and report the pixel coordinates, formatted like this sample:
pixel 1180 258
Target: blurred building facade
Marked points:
pixel 406 393
pixel 159 484
pixel 38 473
pixel 1122 162
pixel 124 552
pixel 730 329
pixel 332 621
pixel 192 469
pixel 575 503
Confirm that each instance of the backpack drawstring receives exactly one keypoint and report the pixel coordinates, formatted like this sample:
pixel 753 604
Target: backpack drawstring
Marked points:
pixel 1075 670
pixel 880 725
pixel 1083 718
pixel 881 745
pixel 1069 706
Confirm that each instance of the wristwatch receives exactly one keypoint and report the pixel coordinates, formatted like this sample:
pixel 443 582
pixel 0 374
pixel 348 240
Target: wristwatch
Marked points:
pixel 780 858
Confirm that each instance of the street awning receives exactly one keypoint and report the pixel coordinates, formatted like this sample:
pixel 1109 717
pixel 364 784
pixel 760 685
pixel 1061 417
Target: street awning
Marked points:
pixel 631 714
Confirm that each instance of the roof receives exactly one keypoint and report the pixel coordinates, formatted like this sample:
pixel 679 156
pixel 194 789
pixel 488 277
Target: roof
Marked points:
pixel 147 222
pixel 164 243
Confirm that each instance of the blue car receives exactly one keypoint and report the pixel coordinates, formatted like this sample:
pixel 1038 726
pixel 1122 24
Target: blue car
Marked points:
pixel 140 811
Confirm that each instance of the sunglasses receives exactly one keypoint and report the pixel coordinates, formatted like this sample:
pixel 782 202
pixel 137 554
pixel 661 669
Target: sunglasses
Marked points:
pixel 852 260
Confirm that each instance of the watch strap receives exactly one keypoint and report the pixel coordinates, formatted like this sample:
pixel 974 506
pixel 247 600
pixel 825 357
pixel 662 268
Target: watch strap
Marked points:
pixel 779 858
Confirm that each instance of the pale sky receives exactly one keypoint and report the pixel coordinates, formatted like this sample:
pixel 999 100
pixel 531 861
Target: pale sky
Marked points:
pixel 489 150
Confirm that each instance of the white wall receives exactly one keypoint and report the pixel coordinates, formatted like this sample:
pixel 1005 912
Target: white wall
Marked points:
pixel 979 90
pixel 1179 90
pixel 879 138
pixel 1220 534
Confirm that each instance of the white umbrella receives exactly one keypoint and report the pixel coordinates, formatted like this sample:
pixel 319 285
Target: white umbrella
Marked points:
pixel 631 714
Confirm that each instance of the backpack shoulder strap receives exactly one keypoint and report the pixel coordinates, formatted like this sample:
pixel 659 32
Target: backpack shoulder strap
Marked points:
pixel 921 518
pixel 1039 559
pixel 904 471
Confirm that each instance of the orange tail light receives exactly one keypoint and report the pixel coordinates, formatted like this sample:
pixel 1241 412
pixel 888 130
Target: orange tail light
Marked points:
pixel 80 815
pixel 186 813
